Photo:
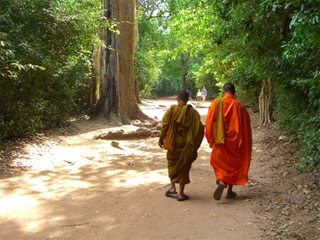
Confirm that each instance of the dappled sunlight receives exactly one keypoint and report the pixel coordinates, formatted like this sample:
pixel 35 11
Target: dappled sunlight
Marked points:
pixel 78 172
pixel 14 202
pixel 79 181
pixel 112 173
pixel 57 156
pixel 26 198
pixel 132 178
pixel 126 149
pixel 81 188
pixel 14 207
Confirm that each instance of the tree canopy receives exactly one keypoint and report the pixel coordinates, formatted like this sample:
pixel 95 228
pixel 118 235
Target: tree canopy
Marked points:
pixel 273 44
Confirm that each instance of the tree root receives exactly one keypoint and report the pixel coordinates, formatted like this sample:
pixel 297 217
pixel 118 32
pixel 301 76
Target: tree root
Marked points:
pixel 140 133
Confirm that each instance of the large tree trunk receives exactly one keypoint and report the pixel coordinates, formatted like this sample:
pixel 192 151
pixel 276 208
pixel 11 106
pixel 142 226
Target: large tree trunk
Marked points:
pixel 265 102
pixel 136 34
pixel 118 91
pixel 95 83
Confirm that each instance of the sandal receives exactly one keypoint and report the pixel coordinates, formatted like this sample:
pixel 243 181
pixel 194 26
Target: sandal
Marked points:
pixel 183 199
pixel 170 194
pixel 231 195
pixel 218 192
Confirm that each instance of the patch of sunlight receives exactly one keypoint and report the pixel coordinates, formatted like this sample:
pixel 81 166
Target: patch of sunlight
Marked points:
pixel 144 146
pixel 57 218
pixel 33 225
pixel 102 165
pixel 134 178
pixel 75 153
pixel 17 203
pixel 112 172
pixel 48 195
pixel 126 149
pixel 73 184
pixel 38 188
pixel 56 187
pixel 205 148
pixel 123 151
pixel 24 210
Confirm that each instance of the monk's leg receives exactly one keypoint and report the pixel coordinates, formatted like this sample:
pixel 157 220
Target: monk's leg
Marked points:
pixel 171 192
pixel 172 187
pixel 181 189
pixel 230 193
pixel 182 196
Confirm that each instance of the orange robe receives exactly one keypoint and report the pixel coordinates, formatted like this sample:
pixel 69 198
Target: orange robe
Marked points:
pixel 231 160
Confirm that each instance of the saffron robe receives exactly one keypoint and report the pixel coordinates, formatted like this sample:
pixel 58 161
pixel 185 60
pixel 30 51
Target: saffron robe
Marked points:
pixel 231 160
pixel 188 135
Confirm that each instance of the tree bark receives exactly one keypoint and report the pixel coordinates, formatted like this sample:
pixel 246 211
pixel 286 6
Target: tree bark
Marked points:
pixel 95 83
pixel 136 33
pixel 118 89
pixel 265 103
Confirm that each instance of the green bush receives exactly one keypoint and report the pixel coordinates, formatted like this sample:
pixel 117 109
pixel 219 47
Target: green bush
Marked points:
pixel 45 61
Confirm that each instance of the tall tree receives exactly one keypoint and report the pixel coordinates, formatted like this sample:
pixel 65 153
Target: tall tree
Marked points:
pixel 118 90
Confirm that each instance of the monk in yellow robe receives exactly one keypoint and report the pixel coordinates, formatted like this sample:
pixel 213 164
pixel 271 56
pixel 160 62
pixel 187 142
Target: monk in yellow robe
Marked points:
pixel 228 132
pixel 182 133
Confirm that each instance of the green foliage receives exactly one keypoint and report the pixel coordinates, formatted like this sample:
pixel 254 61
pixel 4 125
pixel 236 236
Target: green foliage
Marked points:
pixel 170 79
pixel 147 63
pixel 309 135
pixel 163 55
pixel 147 72
pixel 248 42
pixel 45 68
pixel 299 105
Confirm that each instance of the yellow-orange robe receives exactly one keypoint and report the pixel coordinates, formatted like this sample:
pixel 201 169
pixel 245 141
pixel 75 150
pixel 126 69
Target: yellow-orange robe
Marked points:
pixel 231 160
pixel 188 135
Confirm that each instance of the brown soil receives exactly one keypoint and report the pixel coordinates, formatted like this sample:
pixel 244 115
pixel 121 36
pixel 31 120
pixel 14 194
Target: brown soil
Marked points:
pixel 70 186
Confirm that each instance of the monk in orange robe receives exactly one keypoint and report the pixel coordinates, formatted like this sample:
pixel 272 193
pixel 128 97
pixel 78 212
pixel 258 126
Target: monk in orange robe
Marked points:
pixel 228 132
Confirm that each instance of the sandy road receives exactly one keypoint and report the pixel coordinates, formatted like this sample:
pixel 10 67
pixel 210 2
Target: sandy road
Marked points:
pixel 80 188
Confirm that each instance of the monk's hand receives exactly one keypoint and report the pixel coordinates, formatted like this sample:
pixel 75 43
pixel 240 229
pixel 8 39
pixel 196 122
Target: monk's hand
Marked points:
pixel 160 142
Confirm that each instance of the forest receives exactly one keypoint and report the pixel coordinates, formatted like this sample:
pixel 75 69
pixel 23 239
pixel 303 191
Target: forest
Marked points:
pixel 64 58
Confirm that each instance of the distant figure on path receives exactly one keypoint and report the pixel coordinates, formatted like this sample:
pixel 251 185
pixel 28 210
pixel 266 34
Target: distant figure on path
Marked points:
pixel 199 95
pixel 182 133
pixel 228 132
pixel 204 94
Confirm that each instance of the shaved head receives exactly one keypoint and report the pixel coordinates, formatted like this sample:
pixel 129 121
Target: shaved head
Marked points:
pixel 229 88
pixel 183 95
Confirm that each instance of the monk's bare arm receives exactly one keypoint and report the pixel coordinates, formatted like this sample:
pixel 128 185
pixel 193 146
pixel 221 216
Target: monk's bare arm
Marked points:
pixel 164 131
pixel 165 126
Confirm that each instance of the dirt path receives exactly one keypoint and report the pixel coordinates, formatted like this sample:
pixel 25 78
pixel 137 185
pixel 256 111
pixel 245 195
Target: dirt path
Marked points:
pixel 79 188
